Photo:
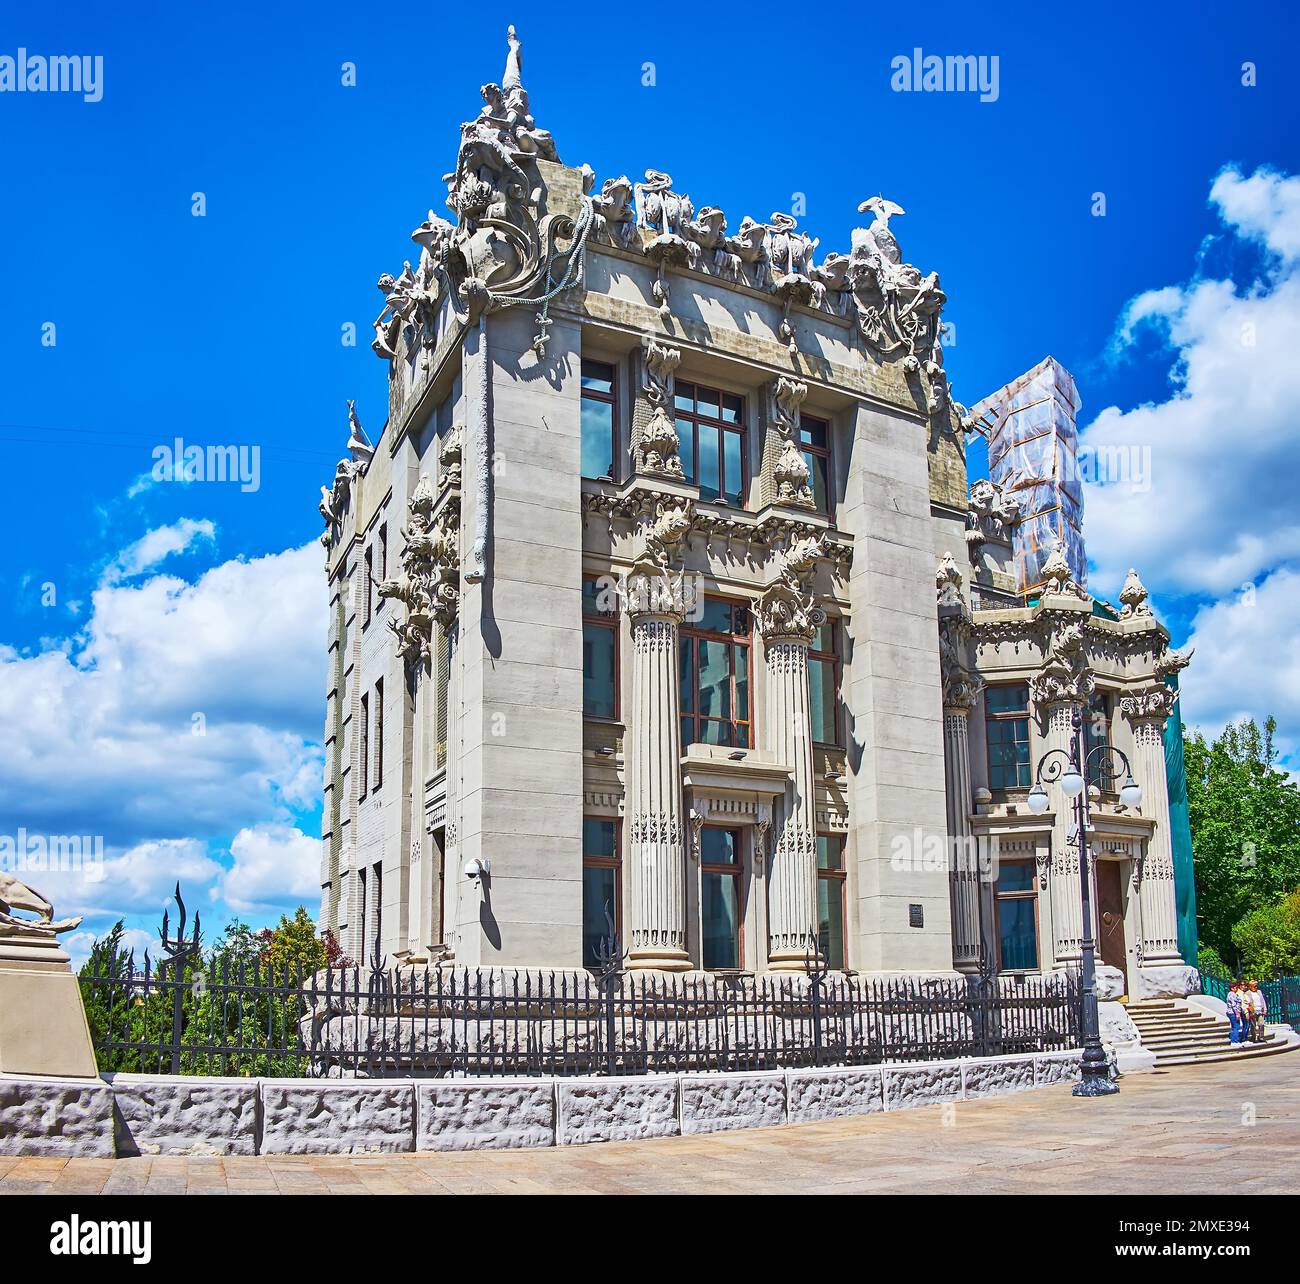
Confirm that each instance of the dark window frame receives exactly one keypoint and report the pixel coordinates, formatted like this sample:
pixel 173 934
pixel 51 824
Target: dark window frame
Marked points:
pixel 827 453
pixel 836 661
pixel 840 876
pixel 740 429
pixel 614 862
pixel 368 580
pixel 363 749
pixel 610 622
pixel 697 633
pixel 736 872
pixel 1014 715
pixel 612 400
pixel 1031 893
pixel 379 734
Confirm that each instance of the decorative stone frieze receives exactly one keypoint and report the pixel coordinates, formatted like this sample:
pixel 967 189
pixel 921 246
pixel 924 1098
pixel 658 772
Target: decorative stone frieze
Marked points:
pixel 430 582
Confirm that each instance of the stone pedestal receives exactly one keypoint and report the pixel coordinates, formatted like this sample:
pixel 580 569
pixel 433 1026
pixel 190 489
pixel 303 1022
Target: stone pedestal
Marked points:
pixel 656 849
pixel 43 1028
pixel 792 878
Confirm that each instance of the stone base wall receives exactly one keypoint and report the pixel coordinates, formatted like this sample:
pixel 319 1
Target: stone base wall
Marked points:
pixel 128 1115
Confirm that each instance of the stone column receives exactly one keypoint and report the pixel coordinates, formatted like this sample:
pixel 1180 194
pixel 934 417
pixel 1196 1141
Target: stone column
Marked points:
pixel 656 854
pixel 1147 711
pixel 1063 881
pixel 960 691
pixel 787 618
pixel 965 873
pixel 792 878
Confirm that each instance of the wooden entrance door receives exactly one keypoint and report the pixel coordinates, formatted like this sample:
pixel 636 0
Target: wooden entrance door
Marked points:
pixel 1110 915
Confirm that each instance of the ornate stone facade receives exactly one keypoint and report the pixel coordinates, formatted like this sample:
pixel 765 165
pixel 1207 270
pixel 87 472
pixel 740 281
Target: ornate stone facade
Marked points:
pixel 697 689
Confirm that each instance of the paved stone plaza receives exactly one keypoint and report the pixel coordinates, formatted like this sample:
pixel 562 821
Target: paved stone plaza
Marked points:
pixel 1183 1132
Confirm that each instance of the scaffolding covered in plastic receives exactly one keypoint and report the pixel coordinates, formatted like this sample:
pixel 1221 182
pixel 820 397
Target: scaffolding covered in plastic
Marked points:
pixel 1033 454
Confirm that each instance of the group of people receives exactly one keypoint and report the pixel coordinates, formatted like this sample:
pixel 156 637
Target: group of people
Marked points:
pixel 1247 1009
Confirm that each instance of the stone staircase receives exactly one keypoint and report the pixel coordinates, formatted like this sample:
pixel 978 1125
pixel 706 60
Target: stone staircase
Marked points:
pixel 1182 1033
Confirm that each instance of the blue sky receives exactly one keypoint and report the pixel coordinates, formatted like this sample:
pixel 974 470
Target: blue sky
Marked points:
pixel 170 601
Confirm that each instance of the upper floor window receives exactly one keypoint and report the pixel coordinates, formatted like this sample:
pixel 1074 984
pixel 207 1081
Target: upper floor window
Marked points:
pixel 815 443
pixel 379 733
pixel 1006 719
pixel 715 676
pixel 711 429
pixel 599 400
pixel 363 749
pixel 599 653
pixel 831 877
pixel 367 586
pixel 824 683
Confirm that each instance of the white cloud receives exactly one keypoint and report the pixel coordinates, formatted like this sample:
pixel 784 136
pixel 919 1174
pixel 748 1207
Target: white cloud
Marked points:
pixel 1221 506
pixel 155 546
pixel 273 865
pixel 99 730
pixel 1248 659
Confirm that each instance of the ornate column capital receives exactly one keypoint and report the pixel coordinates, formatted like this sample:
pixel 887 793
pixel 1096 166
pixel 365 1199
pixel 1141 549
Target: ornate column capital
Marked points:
pixel 1065 676
pixel 788 610
pixel 1150 705
pixel 656 586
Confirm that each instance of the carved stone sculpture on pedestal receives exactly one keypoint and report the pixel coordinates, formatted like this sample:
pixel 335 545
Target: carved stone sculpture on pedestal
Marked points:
pixel 43 1027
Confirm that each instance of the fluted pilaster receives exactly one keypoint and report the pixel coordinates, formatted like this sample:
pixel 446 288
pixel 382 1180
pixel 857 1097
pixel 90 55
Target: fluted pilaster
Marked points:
pixel 1156 897
pixel 1067 906
pixel 656 854
pixel 792 877
pixel 965 874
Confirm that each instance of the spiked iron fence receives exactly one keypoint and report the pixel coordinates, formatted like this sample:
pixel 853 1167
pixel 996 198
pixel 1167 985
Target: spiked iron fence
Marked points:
pixel 181 1016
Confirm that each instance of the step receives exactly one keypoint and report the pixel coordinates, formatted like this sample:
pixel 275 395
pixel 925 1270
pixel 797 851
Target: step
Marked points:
pixel 1270 1049
pixel 1175 1031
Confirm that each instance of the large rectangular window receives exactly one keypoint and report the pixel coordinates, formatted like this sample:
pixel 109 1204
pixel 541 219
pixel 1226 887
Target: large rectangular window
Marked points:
pixel 711 429
pixel 1015 896
pixel 720 899
pixel 599 651
pixel 830 899
pixel 600 886
pixel 714 655
pixel 599 418
pixel 815 443
pixel 824 683
pixel 1006 719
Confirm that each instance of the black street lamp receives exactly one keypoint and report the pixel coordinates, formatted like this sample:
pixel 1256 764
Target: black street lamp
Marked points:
pixel 1100 765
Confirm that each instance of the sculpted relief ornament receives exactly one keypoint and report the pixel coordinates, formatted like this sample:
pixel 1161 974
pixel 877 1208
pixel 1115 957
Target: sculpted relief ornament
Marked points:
pixel 430 582
pixel 790 471
pixel 788 609
pixel 1065 677
pixel 657 444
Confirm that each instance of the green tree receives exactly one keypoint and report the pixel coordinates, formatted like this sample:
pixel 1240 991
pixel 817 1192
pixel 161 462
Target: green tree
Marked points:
pixel 1245 820
pixel 1268 939
pixel 294 948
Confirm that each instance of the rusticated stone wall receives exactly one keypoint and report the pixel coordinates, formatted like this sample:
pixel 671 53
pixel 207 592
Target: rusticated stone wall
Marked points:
pixel 181 1115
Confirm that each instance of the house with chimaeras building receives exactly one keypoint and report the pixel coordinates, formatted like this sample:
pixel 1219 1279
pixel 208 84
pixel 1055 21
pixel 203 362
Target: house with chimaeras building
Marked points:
pixel 663 606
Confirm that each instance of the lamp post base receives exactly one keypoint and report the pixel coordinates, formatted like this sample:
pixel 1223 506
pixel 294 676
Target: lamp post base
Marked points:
pixel 1095 1086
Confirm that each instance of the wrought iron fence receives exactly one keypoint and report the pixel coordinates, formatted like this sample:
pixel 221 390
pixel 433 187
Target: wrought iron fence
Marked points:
pixel 181 1016
pixel 1281 994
